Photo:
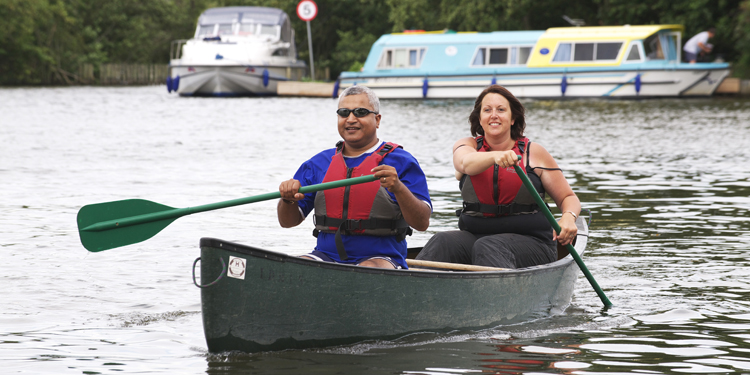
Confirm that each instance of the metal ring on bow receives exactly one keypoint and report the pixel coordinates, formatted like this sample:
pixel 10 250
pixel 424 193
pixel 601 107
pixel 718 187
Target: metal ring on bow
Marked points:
pixel 221 275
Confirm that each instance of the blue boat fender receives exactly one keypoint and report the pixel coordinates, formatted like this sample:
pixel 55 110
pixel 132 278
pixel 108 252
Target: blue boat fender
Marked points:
pixel 425 87
pixel 176 83
pixel 564 85
pixel 638 84
pixel 265 77
pixel 169 84
pixel 336 89
pixel 494 81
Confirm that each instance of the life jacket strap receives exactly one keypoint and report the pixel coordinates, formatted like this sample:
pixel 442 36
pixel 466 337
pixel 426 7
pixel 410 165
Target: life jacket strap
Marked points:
pixel 361 224
pixel 497 210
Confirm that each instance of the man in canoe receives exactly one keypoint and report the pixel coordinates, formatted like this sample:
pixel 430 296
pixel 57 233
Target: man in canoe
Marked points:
pixel 500 223
pixel 364 224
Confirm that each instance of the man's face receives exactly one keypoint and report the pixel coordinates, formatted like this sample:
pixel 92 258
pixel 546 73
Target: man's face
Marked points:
pixel 358 132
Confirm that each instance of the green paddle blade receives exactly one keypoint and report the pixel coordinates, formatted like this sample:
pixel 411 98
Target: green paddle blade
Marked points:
pixel 98 240
pixel 104 226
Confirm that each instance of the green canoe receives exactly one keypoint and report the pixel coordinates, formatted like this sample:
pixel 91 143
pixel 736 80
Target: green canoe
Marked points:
pixel 257 300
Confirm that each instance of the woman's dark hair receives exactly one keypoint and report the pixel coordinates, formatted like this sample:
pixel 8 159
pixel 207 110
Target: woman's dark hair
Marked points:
pixel 518 114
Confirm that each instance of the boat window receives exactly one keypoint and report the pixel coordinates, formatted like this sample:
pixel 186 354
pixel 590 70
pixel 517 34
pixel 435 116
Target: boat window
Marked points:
pixel 670 41
pixel 583 52
pixel 385 59
pixel 401 58
pixel 225 29
pixel 269 30
pixel 607 51
pixel 205 30
pixel 587 51
pixel 653 48
pixel 498 56
pixel 563 52
pixel 501 56
pixel 247 29
pixel 634 54
pixel 523 55
pixel 413 57
pixel 479 57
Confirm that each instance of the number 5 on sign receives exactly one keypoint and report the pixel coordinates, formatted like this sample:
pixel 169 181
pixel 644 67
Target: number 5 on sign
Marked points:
pixel 307 10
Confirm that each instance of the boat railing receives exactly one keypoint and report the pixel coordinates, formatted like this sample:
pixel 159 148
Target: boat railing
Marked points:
pixel 175 49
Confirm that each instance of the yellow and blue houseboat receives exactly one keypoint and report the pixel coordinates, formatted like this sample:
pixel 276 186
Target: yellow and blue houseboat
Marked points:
pixel 571 62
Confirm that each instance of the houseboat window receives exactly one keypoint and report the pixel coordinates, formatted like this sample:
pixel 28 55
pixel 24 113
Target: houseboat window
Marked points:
pixel 563 52
pixel 523 55
pixel 498 56
pixel 634 54
pixel 607 51
pixel 401 58
pixel 653 48
pixel 412 57
pixel 501 56
pixel 479 58
pixel 587 51
pixel 583 52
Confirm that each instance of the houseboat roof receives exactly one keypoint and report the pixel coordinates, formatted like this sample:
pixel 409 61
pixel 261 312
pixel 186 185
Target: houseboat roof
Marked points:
pixel 608 32
pixel 452 37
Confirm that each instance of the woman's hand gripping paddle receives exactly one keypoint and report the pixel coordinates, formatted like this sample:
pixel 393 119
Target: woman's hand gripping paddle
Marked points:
pixel 104 226
pixel 556 227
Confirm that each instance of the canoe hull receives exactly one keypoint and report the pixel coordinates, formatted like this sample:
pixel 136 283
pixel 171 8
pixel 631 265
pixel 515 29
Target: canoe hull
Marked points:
pixel 286 302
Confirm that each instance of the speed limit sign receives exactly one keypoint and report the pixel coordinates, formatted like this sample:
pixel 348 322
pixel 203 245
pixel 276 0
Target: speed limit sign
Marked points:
pixel 307 10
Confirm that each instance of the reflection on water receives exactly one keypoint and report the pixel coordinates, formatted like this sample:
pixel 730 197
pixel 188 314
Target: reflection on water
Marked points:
pixel 666 180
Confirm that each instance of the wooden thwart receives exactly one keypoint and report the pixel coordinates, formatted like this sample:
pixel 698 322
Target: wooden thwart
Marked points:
pixel 450 266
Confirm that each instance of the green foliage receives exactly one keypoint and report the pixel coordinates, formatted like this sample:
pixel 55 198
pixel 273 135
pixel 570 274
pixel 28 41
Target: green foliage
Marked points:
pixel 45 41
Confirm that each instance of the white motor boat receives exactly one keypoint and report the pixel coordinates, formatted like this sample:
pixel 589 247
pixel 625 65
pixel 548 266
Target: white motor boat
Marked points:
pixel 236 51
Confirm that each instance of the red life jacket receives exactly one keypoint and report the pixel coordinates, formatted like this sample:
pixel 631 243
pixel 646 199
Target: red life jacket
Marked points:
pixel 495 201
pixel 494 192
pixel 362 209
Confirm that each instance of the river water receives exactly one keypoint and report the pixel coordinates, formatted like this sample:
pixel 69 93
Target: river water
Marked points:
pixel 667 181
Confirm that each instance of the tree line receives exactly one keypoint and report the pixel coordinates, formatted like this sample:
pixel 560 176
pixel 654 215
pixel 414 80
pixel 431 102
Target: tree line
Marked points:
pixel 46 41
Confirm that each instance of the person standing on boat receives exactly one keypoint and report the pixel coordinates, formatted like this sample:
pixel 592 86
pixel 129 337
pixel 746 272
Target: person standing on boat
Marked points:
pixel 363 224
pixel 698 45
pixel 500 223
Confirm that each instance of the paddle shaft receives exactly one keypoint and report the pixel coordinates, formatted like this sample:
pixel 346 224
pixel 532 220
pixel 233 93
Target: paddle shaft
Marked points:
pixel 542 206
pixel 179 212
pixel 450 266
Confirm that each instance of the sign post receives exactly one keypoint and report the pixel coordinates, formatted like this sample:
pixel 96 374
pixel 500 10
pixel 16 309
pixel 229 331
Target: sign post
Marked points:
pixel 307 10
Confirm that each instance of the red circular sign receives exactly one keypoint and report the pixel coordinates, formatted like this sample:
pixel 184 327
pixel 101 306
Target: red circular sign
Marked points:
pixel 307 10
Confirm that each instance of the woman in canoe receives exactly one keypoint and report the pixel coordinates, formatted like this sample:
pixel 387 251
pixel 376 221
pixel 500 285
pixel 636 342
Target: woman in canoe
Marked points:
pixel 500 223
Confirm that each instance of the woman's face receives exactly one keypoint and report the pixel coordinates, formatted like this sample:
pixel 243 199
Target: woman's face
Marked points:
pixel 494 115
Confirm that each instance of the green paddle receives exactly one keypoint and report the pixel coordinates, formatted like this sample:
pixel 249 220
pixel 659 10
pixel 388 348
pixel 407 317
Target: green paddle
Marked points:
pixel 556 227
pixel 104 226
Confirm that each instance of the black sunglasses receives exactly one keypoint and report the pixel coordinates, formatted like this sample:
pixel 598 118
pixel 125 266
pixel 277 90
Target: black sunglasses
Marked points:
pixel 358 112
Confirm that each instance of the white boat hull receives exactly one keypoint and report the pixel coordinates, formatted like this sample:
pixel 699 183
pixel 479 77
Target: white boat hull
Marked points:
pixel 232 80
pixel 612 84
